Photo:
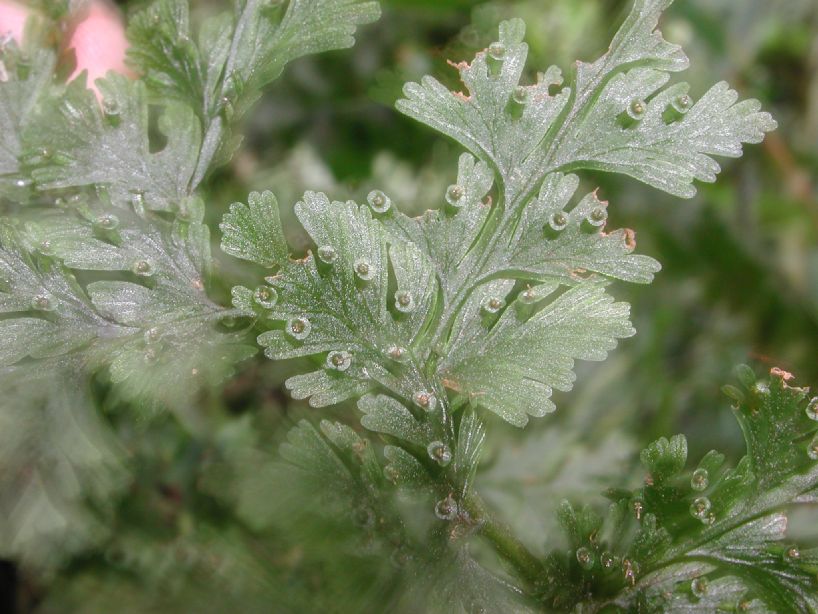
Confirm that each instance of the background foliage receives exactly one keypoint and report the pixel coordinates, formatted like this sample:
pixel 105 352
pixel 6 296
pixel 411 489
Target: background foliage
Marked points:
pixel 204 518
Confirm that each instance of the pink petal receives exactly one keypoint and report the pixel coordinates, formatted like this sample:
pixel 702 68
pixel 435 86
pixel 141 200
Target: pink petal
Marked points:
pixel 13 20
pixel 99 43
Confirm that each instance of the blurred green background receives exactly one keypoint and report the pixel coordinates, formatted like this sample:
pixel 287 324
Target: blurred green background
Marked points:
pixel 196 528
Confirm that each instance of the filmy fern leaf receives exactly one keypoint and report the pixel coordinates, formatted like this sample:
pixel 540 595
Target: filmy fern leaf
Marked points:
pixel 364 340
pixel 709 537
pixel 488 302
pixel 56 456
pixel 220 73
pixel 110 147
pixel 503 369
pixel 111 276
pixel 502 296
pixel 604 122
pixel 484 304
pixel 153 330
pixel 72 141
pixel 22 82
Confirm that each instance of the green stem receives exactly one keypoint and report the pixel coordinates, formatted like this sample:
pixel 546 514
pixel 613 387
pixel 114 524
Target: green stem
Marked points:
pixel 505 543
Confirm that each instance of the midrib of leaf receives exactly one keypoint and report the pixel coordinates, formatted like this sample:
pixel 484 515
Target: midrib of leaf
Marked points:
pixel 579 104
pixel 85 307
pixel 373 343
pixel 213 313
pixel 681 553
pixel 486 247
pixel 346 316
pixel 238 34
pixel 509 217
pixel 181 273
pixel 214 129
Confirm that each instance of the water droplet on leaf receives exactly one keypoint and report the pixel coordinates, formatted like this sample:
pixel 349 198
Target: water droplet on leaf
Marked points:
pixel 700 479
pixel 404 301
pixel 455 194
pixel 107 221
pixel 520 94
pixel 42 302
pixel 327 254
pixel 558 221
pixel 46 248
pixel 339 361
pixel 425 400
pixel 143 268
pixel 597 217
pixel 699 587
pixel 110 108
pixel 265 296
pixel 607 560
pixel 636 109
pixel 493 304
pixel 379 201
pixel 298 328
pixel 446 509
pixel 700 508
pixel 497 50
pixel 227 107
pixel 585 558
pixel 528 296
pixel 792 554
pixel 363 269
pixel 138 201
pixel 440 453
pixel 397 353
pixel 681 104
